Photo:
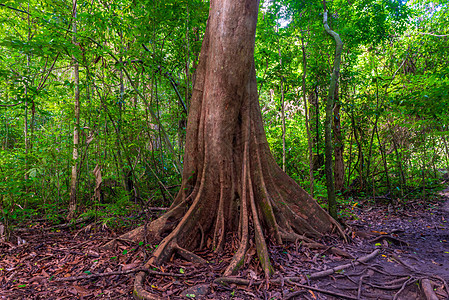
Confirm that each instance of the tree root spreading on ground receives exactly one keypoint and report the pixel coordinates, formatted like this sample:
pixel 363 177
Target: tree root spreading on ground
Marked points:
pixel 428 290
pixel 327 272
pixel 398 284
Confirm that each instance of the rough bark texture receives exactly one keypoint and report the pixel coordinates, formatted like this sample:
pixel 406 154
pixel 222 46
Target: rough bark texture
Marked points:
pixel 231 187
pixel 328 124
pixel 306 114
pixel 339 170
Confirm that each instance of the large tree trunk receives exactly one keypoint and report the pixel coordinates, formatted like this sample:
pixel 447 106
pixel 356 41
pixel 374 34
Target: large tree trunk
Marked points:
pixel 232 186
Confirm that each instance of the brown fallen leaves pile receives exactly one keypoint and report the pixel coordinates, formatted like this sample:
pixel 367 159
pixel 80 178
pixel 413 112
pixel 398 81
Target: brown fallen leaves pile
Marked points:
pixel 406 254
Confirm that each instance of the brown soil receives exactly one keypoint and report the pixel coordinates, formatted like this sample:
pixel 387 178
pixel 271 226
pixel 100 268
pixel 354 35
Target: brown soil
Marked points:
pixel 413 240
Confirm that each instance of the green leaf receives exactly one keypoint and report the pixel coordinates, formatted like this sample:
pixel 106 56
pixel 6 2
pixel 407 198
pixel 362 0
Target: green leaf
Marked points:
pixel 181 270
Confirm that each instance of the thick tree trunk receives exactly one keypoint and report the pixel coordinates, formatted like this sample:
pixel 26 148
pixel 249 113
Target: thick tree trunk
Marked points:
pixel 232 187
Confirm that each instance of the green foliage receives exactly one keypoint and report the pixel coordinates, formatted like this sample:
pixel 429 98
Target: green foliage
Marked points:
pixel 137 56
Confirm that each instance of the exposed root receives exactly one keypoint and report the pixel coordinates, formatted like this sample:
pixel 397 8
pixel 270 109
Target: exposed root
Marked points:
pixel 404 285
pixel 291 280
pixel 189 256
pixel 359 288
pixel 345 266
pixel 261 244
pixel 155 229
pixel 336 294
pixel 333 250
pixel 428 290
pixel 139 291
pixel 239 256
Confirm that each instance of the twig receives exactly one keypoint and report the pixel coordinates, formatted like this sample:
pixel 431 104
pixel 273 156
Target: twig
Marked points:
pixel 433 34
pixel 18 10
pixel 386 287
pixel 157 208
pixel 359 289
pixel 294 294
pixel 79 245
pixel 10 105
pixel 69 224
pixel 399 260
pixel 323 291
pixel 390 238
pixel 152 272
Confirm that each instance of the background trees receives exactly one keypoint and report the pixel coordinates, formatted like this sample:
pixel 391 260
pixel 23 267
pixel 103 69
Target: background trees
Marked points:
pixel 137 62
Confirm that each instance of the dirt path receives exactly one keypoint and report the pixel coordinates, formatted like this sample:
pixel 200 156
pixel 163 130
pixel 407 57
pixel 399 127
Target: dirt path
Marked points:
pixel 411 245
pixel 445 194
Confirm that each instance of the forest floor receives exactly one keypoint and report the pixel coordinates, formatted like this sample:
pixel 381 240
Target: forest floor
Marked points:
pixel 399 252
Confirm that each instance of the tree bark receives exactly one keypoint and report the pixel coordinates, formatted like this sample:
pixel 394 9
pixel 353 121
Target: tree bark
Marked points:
pixel 231 187
pixel 328 124
pixel 76 137
pixel 339 171
pixel 306 114
pixel 384 160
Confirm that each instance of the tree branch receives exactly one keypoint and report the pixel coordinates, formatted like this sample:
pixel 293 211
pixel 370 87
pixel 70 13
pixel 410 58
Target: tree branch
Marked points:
pixel 10 105
pixel 432 34
pixel 16 9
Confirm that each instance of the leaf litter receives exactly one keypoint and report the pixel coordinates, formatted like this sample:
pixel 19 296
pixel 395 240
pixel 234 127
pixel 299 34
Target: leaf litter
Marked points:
pixel 411 261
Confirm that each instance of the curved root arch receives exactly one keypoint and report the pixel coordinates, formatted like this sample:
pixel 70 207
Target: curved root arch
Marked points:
pixel 260 194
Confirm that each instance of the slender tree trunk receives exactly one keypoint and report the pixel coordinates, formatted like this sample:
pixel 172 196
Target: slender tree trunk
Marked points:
pixel 339 171
pixel 306 113
pixel 26 140
pixel 373 132
pixel 126 171
pixel 282 105
pixel 399 162
pixel 384 160
pixel 328 124
pixel 424 163
pixel 25 129
pixel 187 65
pixel 314 119
pixel 447 153
pixel 283 122
pixel 358 166
pixel 348 178
pixel 76 138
